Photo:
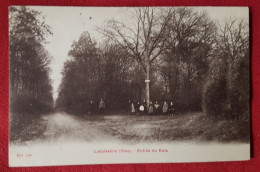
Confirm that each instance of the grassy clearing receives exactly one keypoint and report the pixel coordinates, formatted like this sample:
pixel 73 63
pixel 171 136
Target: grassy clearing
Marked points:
pixel 25 127
pixel 188 126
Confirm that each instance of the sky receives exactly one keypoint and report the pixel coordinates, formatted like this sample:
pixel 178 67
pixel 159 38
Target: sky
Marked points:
pixel 67 23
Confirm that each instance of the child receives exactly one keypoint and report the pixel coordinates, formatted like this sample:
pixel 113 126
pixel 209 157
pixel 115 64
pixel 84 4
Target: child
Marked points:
pixel 141 109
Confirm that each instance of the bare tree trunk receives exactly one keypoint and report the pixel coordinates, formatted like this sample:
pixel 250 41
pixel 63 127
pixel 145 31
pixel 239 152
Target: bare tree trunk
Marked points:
pixel 147 95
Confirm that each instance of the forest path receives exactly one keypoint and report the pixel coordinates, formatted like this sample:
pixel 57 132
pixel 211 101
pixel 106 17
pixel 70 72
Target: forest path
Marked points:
pixel 61 126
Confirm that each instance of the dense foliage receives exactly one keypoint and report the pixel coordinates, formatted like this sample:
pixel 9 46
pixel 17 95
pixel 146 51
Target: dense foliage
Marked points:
pixel 226 90
pixel 190 43
pixel 96 72
pixel 30 85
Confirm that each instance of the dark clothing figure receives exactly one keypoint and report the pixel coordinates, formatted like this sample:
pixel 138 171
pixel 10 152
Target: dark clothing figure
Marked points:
pixel 137 107
pixel 156 108
pixel 171 109
pixel 91 107
pixel 145 108
pixel 102 106
pixel 150 110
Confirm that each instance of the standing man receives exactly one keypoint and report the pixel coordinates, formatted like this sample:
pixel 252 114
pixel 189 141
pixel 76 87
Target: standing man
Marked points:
pixel 138 108
pixel 91 107
pixel 171 109
pixel 145 107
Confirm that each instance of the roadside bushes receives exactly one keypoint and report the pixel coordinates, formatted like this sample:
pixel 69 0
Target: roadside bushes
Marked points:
pixel 226 91
pixel 214 97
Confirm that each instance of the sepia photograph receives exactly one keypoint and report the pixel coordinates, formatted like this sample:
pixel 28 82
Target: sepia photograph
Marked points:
pixel 109 85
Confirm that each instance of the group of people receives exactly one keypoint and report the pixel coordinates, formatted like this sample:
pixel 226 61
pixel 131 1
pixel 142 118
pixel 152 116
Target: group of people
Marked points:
pixel 101 107
pixel 137 108
pixel 156 108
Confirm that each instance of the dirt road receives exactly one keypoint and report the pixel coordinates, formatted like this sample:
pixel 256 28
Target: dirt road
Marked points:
pixel 61 126
pixel 131 128
pixel 62 135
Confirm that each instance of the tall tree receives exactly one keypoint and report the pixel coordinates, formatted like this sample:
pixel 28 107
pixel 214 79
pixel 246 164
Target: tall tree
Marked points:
pixel 144 37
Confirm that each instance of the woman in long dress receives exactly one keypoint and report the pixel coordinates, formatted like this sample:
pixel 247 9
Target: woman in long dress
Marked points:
pixel 165 107
pixel 102 106
pixel 132 108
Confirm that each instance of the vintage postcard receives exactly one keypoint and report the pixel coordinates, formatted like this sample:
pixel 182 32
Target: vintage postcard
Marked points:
pixel 108 85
